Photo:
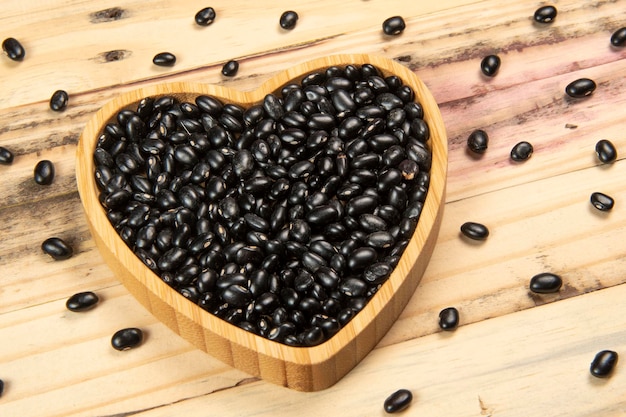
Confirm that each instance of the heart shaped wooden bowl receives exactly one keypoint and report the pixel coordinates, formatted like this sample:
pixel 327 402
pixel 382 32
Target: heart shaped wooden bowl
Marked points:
pixel 299 368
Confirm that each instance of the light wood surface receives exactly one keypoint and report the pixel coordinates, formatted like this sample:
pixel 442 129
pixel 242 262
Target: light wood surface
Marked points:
pixel 515 354
pixel 303 369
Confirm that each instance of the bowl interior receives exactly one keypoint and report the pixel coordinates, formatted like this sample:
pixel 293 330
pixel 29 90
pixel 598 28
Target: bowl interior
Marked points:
pixel 300 368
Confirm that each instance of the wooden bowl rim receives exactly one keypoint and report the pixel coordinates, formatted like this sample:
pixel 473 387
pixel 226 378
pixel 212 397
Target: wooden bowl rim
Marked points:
pixel 427 223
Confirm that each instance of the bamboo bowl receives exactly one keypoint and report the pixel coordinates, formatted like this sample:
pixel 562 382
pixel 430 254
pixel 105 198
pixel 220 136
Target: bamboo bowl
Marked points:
pixel 299 368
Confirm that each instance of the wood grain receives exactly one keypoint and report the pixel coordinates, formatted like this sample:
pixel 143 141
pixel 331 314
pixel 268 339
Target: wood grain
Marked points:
pixel 443 43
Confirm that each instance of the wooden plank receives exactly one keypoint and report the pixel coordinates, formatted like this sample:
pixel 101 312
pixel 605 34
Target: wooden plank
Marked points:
pixel 514 365
pixel 538 212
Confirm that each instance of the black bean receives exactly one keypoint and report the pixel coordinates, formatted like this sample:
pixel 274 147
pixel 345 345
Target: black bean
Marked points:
pixel 398 401
pixel 582 87
pixel 605 151
pixel 475 231
pixel 164 59
pixel 448 318
pixel 490 65
pixel 288 20
pixel 13 48
pixel 230 68
pixel 1 387
pixel 377 273
pixel 546 283
pixel 545 14
pixel 172 259
pixel 44 172
pixel 394 25
pixel 521 151
pixel 353 287
pixel 256 222
pixel 618 38
pixel 205 16
pixel 6 156
pixel 602 201
pixel 82 301
pixel 127 338
pixel 361 258
pixel 478 141
pixel 58 101
pixel 57 248
pixel 603 363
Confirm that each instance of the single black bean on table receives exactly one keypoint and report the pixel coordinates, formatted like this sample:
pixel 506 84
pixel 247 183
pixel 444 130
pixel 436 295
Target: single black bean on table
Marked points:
pixel 545 283
pixel 288 20
pixel 57 248
pixel 6 156
pixel 602 201
pixel 59 100
pixel 490 65
pixel 522 151
pixel 284 218
pixel 449 318
pixel 478 141
pixel 618 38
pixel 474 230
pixel 603 363
pixel 164 59
pixel 14 49
pixel 44 172
pixel 580 88
pixel 398 401
pixel 82 301
pixel 230 68
pixel 606 151
pixel 127 338
pixel 205 17
pixel 394 25
pixel 545 14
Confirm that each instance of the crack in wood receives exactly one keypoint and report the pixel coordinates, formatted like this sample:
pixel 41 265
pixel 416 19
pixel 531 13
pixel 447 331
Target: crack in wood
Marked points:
pixel 244 381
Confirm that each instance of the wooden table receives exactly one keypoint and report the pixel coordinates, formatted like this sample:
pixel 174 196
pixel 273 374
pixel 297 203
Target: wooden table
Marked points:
pixel 514 354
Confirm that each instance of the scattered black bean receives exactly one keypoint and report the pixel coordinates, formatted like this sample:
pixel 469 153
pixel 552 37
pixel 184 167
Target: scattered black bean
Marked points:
pixel 580 88
pixel 394 25
pixel 288 20
pixel 602 201
pixel 545 14
pixel 230 68
pixel 58 101
pixel 490 65
pixel 14 49
pixel 475 231
pixel 1 387
pixel 398 401
pixel 44 172
pixel 164 59
pixel 603 363
pixel 126 339
pixel 205 16
pixel 618 38
pixel 478 141
pixel 545 283
pixel 283 218
pixel 82 301
pixel 521 151
pixel 6 156
pixel 449 318
pixel 606 152
pixel 57 248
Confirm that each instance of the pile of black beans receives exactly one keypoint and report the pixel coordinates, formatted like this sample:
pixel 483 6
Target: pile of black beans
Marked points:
pixel 284 218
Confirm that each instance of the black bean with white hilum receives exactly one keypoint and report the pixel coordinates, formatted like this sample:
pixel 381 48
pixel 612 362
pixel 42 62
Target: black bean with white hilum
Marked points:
pixel 283 218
